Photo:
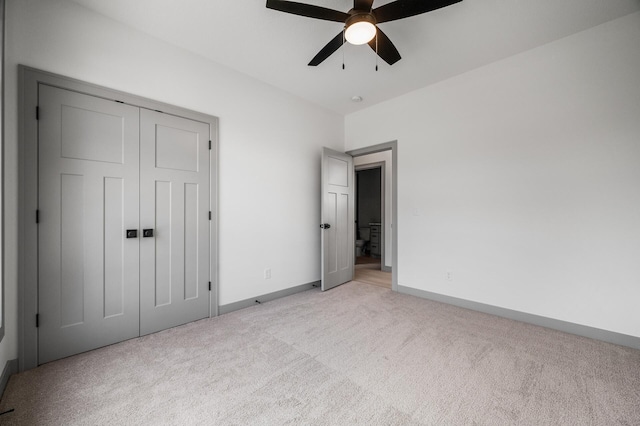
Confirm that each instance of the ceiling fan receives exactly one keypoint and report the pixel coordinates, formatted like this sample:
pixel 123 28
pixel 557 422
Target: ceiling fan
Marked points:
pixel 360 23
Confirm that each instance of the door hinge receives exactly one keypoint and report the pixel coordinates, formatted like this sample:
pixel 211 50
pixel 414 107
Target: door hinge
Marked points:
pixel 209 215
pixel 37 216
pixel 37 113
pixel 209 285
pixel 209 144
pixel 37 320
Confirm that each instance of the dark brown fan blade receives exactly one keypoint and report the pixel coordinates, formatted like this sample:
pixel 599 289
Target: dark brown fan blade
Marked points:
pixel 386 49
pixel 364 5
pixel 405 8
pixel 307 10
pixel 328 50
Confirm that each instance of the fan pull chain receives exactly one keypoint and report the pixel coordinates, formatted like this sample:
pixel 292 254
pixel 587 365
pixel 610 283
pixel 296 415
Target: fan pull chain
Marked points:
pixel 376 50
pixel 343 48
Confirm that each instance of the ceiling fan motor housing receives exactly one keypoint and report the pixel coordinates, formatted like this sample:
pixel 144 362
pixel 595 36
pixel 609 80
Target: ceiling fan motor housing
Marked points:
pixel 359 16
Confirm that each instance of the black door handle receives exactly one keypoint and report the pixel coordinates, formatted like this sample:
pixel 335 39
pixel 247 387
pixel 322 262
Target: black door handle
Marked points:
pixel 147 233
pixel 325 226
pixel 132 233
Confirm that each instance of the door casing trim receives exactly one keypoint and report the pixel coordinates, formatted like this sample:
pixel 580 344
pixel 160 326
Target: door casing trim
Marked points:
pixel 29 79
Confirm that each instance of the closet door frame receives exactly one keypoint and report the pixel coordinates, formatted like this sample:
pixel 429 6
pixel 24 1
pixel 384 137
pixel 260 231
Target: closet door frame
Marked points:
pixel 29 81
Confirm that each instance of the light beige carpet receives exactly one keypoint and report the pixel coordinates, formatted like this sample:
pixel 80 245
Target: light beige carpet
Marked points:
pixel 358 354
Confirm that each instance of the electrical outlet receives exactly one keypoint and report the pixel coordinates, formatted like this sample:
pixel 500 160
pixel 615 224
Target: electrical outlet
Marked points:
pixel 449 276
pixel 267 274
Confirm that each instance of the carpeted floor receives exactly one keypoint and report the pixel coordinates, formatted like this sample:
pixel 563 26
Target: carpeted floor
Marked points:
pixel 358 354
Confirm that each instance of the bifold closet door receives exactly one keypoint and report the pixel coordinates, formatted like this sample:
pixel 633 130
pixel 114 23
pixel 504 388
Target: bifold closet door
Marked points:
pixel 88 155
pixel 174 203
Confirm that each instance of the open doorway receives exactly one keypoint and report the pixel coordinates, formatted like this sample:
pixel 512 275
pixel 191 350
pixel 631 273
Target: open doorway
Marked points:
pixel 369 214
pixel 375 204
pixel 370 224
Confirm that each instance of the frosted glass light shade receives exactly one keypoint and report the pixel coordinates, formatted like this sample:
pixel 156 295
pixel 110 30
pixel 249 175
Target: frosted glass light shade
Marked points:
pixel 360 32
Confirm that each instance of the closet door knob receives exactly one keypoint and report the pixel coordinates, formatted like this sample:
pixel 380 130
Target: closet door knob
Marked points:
pixel 325 226
pixel 147 233
pixel 132 233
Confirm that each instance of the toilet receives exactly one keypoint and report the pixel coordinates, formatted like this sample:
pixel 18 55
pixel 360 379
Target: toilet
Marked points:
pixel 361 244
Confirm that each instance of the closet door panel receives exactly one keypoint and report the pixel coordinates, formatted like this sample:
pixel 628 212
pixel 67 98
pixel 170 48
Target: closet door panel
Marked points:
pixel 88 196
pixel 174 202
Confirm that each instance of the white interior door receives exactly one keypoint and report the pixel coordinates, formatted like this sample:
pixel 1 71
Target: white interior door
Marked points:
pixel 88 197
pixel 174 203
pixel 337 215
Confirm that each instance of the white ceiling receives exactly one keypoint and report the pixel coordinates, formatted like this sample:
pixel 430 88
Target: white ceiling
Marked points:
pixel 275 47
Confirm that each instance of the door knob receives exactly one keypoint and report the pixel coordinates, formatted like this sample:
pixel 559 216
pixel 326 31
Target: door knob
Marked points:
pixel 147 233
pixel 325 226
pixel 132 233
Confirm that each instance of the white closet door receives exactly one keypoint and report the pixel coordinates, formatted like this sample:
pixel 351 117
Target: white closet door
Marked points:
pixel 174 203
pixel 88 198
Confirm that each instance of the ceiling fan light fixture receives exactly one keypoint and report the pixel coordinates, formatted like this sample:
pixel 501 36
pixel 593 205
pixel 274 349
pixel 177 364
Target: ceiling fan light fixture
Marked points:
pixel 360 23
pixel 360 29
